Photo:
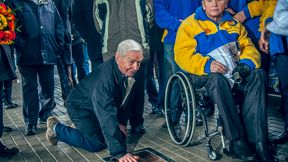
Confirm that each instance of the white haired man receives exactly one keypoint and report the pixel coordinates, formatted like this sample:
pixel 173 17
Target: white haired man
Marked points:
pixel 97 106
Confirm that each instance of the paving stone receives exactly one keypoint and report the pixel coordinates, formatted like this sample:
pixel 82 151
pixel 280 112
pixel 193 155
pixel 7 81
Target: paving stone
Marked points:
pixel 36 148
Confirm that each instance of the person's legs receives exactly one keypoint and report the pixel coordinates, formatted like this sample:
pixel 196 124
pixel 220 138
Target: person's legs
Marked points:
pixel 165 71
pixel 281 62
pixel 254 113
pixel 30 97
pixel 1 109
pixel 8 94
pixel 78 55
pixel 46 91
pixel 136 102
pixel 75 138
pixel 150 82
pixel 4 151
pixel 171 67
pixel 86 135
pixel 219 90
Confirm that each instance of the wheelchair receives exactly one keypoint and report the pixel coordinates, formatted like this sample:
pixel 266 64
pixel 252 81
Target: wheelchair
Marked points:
pixel 182 122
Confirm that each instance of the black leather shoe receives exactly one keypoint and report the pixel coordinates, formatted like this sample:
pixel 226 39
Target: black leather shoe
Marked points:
pixel 7 129
pixel 4 151
pixel 281 138
pixel 10 104
pixel 239 148
pixel 138 130
pixel 31 129
pixel 263 152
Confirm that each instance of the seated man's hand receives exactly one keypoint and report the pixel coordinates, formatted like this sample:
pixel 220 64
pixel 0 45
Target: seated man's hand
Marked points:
pixel 217 67
pixel 129 158
pixel 240 72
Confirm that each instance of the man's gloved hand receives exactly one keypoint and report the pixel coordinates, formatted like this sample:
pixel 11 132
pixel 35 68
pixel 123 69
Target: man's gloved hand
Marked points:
pixel 240 72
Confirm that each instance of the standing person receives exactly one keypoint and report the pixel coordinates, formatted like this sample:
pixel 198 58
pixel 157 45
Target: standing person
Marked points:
pixel 204 32
pixel 84 23
pixel 274 43
pixel 7 72
pixel 169 14
pixel 8 87
pixel 98 106
pixel 38 47
pixel 65 61
pixel 156 55
pixel 78 53
pixel 120 20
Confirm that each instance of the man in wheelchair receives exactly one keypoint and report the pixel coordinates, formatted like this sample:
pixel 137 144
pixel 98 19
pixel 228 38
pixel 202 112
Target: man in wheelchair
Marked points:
pixel 206 49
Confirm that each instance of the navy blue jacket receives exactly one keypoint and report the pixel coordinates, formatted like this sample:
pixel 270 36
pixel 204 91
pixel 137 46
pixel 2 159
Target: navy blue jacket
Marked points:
pixel 102 93
pixel 41 35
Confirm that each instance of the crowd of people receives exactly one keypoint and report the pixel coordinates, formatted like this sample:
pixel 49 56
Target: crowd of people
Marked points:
pixel 124 41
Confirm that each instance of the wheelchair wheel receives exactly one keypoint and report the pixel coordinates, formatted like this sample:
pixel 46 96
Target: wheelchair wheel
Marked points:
pixel 180 120
pixel 192 102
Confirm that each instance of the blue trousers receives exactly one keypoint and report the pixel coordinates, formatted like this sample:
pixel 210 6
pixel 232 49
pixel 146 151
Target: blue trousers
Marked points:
pixel 87 135
pixel 169 67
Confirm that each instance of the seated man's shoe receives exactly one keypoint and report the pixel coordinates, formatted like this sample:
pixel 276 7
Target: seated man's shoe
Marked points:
pixel 4 151
pixel 51 136
pixel 31 129
pixel 263 152
pixel 240 149
pixel 281 138
pixel 7 129
pixel 138 130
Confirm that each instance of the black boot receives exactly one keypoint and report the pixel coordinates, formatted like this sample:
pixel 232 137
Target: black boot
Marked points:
pixel 240 149
pixel 263 152
pixel 4 151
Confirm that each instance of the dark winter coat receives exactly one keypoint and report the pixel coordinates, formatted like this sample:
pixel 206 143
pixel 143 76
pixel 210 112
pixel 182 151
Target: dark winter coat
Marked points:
pixel 41 35
pixel 84 23
pixel 102 93
pixel 7 70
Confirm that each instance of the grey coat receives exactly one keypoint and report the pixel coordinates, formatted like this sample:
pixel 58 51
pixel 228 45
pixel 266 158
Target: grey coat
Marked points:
pixel 279 25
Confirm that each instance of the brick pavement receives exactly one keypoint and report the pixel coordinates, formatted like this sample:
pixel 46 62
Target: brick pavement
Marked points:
pixel 35 148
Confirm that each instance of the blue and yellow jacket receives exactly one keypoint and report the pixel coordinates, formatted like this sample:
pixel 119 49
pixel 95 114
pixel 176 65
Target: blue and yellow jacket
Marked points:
pixel 263 8
pixel 198 35
pixel 169 13
pixel 251 23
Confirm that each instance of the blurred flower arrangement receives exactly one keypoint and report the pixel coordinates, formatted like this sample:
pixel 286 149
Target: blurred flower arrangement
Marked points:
pixel 7 24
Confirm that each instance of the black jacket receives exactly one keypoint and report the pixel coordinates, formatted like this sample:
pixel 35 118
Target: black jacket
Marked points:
pixel 65 10
pixel 42 32
pixel 7 70
pixel 102 92
pixel 84 23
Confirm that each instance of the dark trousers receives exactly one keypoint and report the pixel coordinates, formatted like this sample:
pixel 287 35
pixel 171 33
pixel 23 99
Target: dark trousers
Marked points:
pixel 136 98
pixel 253 109
pixel 37 91
pixel 87 134
pixel 1 109
pixel 78 51
pixel 94 47
pixel 8 90
pixel 150 81
pixel 281 63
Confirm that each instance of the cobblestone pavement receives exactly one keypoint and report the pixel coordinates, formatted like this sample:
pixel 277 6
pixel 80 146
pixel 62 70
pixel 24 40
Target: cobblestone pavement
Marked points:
pixel 36 148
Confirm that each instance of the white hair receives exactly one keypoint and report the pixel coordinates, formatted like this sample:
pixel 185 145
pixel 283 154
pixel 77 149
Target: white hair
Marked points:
pixel 128 45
